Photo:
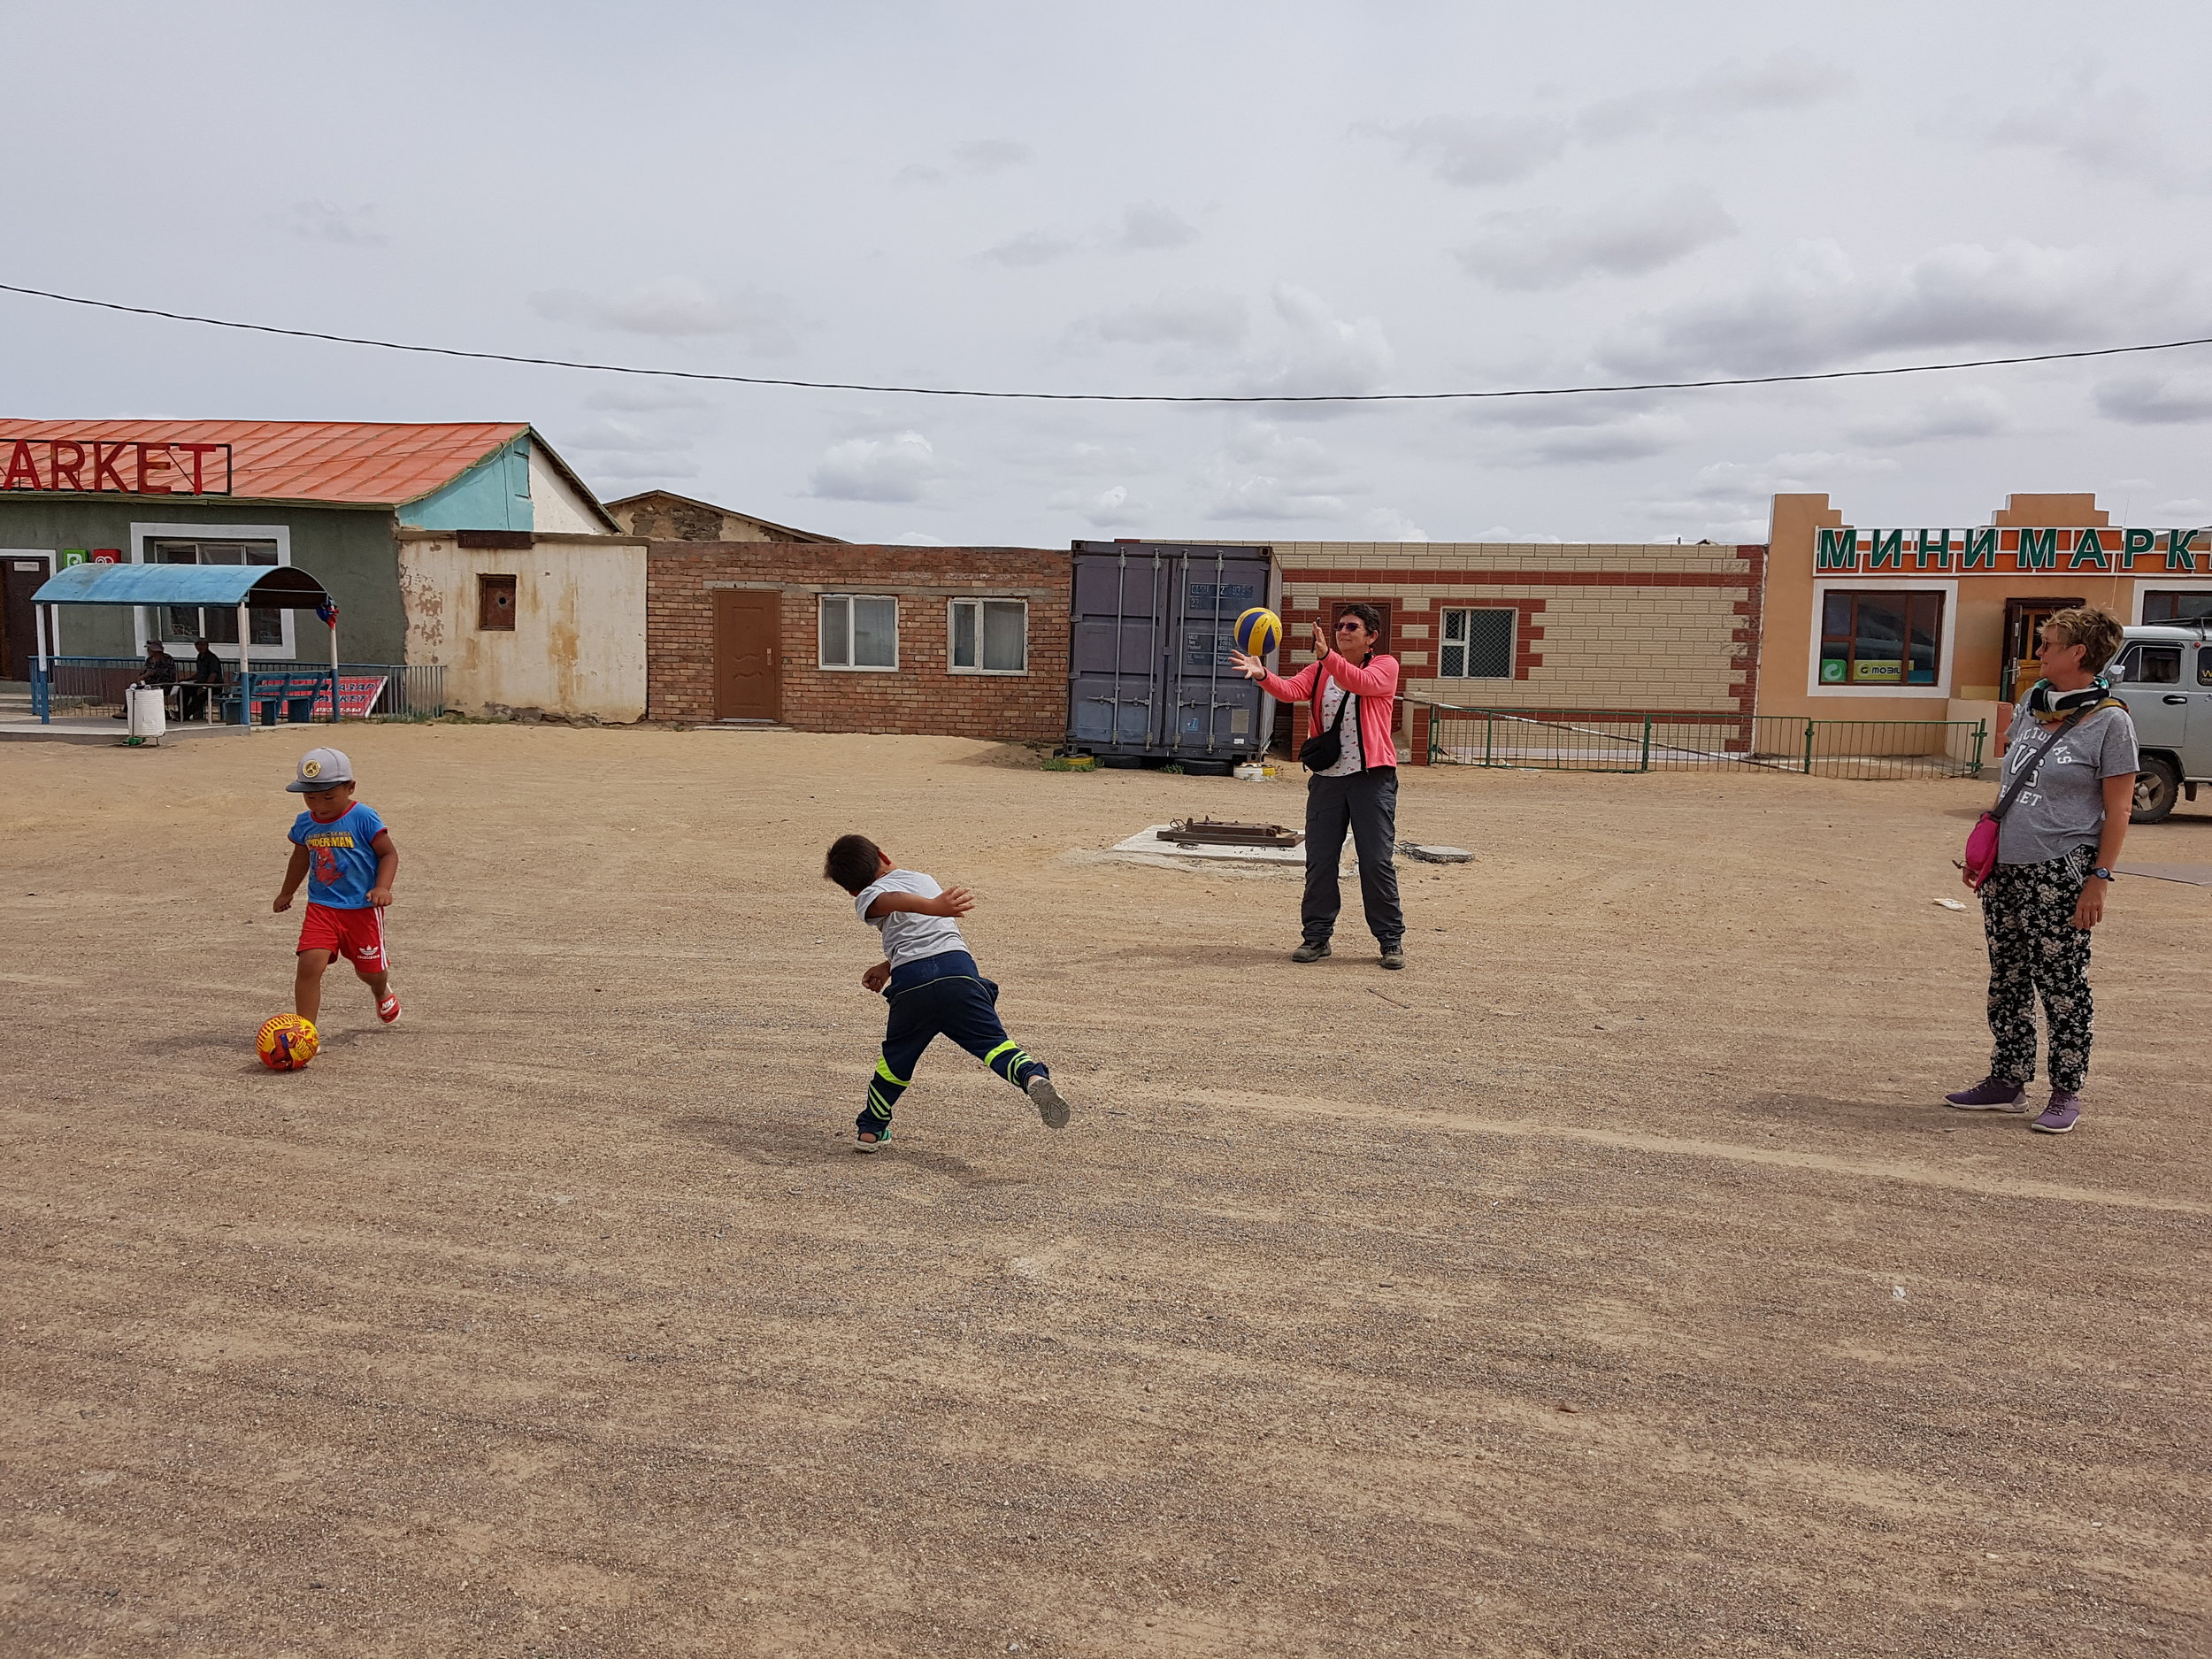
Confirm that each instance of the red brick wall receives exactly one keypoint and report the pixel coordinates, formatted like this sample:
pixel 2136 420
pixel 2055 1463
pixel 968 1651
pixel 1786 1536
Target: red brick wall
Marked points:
pixel 922 696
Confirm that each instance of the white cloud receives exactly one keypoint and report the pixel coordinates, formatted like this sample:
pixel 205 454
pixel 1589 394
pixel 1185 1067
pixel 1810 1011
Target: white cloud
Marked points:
pixel 2108 132
pixel 1479 150
pixel 1031 248
pixel 1317 352
pixel 1111 509
pixel 676 307
pixel 317 220
pixel 1146 226
pixel 1817 308
pixel 1476 150
pixel 1965 411
pixel 1543 248
pixel 1734 88
pixel 1197 318
pixel 2187 511
pixel 1388 524
pixel 915 172
pixel 1729 500
pixel 1264 474
pixel 645 397
pixel 2157 399
pixel 1628 440
pixel 991 155
pixel 916 538
pixel 901 467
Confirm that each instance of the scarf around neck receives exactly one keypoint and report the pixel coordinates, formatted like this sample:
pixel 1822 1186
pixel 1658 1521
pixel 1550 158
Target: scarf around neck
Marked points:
pixel 2047 702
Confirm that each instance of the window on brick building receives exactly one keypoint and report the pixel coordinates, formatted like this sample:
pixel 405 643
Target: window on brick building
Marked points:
pixel 989 636
pixel 1475 644
pixel 1878 639
pixel 2177 605
pixel 859 631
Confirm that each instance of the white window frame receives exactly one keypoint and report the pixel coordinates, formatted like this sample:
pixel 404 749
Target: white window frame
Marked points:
pixel 1883 582
pixel 1512 648
pixel 849 667
pixel 280 533
pixel 2173 584
pixel 978 601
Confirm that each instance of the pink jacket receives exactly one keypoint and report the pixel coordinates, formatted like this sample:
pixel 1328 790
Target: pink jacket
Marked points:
pixel 1375 685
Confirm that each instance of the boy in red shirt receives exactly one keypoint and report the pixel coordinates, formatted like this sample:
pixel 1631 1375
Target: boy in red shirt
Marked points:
pixel 345 853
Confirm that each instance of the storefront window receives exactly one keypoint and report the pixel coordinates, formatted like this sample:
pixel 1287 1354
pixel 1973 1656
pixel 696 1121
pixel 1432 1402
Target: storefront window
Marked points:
pixel 217 624
pixel 2182 606
pixel 1881 639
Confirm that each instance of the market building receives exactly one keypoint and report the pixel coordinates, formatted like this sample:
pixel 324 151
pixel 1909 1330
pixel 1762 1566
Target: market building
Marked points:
pixel 1925 624
pixel 469 546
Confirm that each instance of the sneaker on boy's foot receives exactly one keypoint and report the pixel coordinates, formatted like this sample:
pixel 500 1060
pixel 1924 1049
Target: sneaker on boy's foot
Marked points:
pixel 387 1010
pixel 1050 1107
pixel 2059 1115
pixel 1990 1094
pixel 873 1140
pixel 1312 950
pixel 1393 957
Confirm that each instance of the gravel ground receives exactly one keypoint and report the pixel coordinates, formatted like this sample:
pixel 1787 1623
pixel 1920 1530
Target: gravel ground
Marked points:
pixel 1607 1283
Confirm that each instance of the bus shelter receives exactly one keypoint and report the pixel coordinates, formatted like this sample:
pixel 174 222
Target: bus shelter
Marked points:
pixel 246 587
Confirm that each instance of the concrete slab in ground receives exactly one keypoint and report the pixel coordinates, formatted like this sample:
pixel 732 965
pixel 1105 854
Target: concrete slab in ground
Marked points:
pixel 1147 842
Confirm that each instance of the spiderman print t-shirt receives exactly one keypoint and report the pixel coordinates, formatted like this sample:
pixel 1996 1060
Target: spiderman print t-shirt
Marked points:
pixel 340 864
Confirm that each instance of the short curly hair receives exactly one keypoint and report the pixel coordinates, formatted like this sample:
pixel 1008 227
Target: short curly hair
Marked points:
pixel 2097 631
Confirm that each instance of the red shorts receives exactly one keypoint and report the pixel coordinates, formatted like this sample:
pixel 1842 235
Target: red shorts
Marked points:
pixel 355 936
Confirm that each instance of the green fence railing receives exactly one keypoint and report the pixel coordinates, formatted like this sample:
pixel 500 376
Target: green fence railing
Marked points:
pixel 1614 739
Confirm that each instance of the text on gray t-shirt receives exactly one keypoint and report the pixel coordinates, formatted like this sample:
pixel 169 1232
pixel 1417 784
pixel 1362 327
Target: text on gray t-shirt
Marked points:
pixel 909 935
pixel 2063 808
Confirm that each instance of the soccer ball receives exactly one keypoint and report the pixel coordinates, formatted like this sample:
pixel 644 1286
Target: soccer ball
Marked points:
pixel 1258 631
pixel 287 1043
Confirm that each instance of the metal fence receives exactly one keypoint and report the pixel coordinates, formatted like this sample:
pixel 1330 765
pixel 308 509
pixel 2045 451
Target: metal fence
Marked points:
pixel 1571 740
pixel 94 685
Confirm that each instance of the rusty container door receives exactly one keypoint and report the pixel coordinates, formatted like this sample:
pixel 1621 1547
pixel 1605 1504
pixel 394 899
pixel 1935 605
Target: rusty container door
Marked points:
pixel 748 659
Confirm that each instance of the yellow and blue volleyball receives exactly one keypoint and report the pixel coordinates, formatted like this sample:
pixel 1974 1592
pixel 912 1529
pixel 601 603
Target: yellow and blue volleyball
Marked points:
pixel 1258 631
pixel 288 1042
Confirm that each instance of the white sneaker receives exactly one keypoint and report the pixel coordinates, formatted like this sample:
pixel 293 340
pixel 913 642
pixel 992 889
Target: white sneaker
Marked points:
pixel 1050 1107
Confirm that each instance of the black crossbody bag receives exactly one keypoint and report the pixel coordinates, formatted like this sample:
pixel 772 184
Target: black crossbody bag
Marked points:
pixel 1324 749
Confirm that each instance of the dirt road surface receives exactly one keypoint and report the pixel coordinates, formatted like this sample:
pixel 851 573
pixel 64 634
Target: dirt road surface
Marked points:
pixel 1607 1283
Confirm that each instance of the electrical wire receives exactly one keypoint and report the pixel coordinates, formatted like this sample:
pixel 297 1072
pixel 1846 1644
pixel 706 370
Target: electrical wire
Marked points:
pixel 1110 398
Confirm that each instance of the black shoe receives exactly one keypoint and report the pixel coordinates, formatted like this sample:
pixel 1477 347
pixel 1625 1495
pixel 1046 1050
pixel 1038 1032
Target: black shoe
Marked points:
pixel 1393 957
pixel 1312 950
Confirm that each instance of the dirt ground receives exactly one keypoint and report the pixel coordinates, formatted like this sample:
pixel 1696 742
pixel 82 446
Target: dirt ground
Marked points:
pixel 1610 1282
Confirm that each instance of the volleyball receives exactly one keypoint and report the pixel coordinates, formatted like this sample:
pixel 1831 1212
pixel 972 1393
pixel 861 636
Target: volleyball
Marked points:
pixel 287 1043
pixel 1258 631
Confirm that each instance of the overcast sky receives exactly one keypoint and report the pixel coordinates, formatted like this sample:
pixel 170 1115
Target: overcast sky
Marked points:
pixel 1189 196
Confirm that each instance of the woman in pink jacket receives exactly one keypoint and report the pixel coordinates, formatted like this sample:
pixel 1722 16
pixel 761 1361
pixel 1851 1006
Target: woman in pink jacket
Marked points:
pixel 1360 791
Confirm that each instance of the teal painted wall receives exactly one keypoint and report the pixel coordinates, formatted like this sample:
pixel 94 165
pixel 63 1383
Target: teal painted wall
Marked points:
pixel 493 495
pixel 353 552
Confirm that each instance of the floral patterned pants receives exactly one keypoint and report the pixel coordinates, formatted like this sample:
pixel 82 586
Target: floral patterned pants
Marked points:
pixel 2028 915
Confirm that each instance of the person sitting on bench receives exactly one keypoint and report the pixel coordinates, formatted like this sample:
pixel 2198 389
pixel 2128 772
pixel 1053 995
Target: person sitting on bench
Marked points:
pixel 192 702
pixel 161 671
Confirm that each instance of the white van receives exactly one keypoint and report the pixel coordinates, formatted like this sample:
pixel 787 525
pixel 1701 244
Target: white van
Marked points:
pixel 2164 676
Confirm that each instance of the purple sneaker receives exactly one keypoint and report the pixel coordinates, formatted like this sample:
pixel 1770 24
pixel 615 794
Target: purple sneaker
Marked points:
pixel 1991 1095
pixel 2059 1115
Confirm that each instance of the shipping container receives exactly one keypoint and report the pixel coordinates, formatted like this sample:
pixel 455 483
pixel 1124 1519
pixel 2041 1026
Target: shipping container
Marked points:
pixel 1149 677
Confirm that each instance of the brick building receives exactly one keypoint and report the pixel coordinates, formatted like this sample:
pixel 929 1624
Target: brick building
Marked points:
pixel 833 637
pixel 1656 627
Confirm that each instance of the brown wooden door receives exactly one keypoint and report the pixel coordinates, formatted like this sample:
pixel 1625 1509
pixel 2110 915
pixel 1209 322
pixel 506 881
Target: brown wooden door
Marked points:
pixel 748 673
pixel 2024 621
pixel 20 578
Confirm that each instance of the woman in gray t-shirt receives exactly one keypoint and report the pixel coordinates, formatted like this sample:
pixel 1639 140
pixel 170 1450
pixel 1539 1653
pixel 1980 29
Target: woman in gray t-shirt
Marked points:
pixel 2055 849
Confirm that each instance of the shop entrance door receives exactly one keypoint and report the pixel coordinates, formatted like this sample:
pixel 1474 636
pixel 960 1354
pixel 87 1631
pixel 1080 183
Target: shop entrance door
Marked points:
pixel 2024 619
pixel 21 575
pixel 747 675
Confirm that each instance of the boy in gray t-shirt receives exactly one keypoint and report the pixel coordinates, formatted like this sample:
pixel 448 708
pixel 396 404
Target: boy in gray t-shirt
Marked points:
pixel 931 983
pixel 2063 808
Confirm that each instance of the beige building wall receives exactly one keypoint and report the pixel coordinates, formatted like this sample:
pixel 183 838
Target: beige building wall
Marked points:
pixel 578 645
pixel 1600 626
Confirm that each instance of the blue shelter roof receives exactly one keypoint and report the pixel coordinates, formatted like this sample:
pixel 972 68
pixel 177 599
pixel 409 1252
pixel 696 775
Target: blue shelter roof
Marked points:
pixel 285 586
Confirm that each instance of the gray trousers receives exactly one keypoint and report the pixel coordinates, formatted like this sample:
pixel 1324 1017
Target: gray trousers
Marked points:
pixel 1366 802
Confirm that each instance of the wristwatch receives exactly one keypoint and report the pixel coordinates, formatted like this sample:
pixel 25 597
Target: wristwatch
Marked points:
pixel 2101 874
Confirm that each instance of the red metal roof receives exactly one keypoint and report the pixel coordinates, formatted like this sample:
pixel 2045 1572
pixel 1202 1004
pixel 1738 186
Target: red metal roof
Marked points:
pixel 357 462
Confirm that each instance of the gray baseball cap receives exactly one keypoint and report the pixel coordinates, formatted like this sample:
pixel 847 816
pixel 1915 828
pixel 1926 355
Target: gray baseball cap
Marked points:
pixel 320 768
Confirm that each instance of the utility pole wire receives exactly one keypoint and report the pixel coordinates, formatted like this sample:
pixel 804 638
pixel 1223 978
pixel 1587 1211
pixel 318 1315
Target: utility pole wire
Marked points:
pixel 1108 397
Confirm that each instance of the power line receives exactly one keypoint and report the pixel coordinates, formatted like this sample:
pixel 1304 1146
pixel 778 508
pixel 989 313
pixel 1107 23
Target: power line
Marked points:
pixel 1107 397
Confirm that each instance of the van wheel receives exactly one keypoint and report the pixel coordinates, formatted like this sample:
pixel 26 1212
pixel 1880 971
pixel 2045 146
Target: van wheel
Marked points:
pixel 2157 786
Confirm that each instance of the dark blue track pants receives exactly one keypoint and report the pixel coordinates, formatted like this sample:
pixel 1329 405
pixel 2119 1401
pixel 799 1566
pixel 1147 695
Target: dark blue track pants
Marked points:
pixel 940 996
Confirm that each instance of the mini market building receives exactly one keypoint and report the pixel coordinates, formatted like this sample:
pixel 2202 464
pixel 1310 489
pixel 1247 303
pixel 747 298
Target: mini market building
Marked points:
pixel 468 545
pixel 1920 624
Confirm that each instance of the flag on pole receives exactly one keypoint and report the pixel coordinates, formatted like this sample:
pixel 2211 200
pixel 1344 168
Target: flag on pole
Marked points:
pixel 329 611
